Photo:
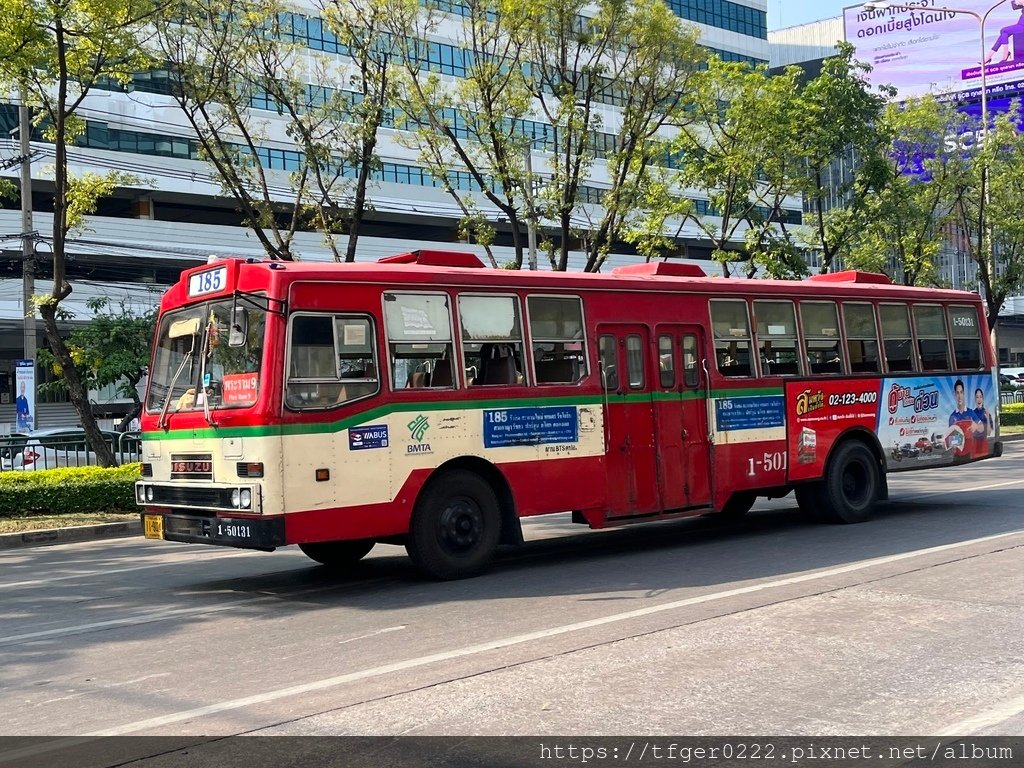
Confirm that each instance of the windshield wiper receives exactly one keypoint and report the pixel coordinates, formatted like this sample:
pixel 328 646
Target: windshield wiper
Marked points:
pixel 170 388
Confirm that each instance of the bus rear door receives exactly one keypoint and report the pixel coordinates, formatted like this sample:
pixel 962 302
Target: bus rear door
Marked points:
pixel 629 421
pixel 681 419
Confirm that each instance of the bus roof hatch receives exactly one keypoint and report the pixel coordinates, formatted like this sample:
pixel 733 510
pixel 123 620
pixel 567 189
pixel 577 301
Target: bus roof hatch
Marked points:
pixel 852 276
pixel 435 259
pixel 660 269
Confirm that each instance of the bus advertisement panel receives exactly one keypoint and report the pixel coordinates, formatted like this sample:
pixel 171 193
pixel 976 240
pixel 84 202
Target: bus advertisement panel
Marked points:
pixel 919 420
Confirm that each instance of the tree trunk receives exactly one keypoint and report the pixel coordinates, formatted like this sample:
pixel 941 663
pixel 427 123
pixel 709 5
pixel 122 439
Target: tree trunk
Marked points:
pixel 76 390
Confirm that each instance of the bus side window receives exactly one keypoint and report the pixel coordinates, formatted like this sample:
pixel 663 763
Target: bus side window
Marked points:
pixel 732 337
pixel 608 363
pixel 492 339
pixel 635 361
pixel 691 374
pixel 966 331
pixel 331 361
pixel 419 332
pixel 776 338
pixel 861 338
pixel 897 340
pixel 821 336
pixel 556 332
pixel 666 362
pixel 932 345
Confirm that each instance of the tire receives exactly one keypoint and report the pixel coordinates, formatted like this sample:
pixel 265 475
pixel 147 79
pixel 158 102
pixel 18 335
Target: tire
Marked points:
pixel 338 554
pixel 738 505
pixel 852 484
pixel 455 526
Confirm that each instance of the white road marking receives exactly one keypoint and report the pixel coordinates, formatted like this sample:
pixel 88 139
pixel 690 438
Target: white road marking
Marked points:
pixel 987 719
pixel 421 661
pixel 958 490
pixel 372 634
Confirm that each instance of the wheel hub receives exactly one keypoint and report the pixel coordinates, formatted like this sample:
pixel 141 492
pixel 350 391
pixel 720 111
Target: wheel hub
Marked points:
pixel 461 525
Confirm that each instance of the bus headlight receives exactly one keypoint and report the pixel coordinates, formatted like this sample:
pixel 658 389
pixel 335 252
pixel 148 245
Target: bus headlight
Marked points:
pixel 140 494
pixel 149 493
pixel 235 497
pixel 245 497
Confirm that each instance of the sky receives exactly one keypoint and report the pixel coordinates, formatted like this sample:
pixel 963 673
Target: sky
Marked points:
pixel 786 13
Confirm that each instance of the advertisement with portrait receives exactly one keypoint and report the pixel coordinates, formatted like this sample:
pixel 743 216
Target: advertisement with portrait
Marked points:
pixel 25 395
pixel 937 419
pixel 931 50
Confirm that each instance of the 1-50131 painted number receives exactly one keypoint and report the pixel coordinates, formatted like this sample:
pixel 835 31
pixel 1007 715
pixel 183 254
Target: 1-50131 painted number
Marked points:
pixel 771 461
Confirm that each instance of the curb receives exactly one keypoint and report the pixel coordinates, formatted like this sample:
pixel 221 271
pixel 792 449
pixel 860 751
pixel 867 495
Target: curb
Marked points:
pixel 78 533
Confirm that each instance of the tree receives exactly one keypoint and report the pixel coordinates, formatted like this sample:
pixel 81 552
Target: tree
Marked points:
pixel 55 52
pixel 907 221
pixel 841 131
pixel 476 126
pixel 659 58
pixel 740 153
pixel 112 348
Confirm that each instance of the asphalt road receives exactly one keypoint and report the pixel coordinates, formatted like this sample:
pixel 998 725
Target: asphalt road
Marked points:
pixel 908 624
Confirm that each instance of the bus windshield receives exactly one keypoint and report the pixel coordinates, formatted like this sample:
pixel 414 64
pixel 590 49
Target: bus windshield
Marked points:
pixel 207 356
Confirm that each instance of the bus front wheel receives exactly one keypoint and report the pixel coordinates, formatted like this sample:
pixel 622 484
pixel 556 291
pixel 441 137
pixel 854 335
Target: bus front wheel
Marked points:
pixel 337 554
pixel 852 484
pixel 455 526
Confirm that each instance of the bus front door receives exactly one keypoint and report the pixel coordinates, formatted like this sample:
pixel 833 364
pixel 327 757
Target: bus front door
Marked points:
pixel 681 418
pixel 629 421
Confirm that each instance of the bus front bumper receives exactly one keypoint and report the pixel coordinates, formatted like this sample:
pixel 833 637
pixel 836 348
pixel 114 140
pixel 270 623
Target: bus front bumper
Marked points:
pixel 244 532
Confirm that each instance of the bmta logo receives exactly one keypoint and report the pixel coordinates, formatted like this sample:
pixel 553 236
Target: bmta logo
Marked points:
pixel 418 428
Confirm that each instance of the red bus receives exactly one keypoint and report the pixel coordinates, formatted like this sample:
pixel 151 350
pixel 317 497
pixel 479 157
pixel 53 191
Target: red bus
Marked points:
pixel 430 401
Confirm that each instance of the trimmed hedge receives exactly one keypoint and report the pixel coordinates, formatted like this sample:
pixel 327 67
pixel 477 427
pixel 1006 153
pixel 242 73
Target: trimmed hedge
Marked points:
pixel 1012 415
pixel 75 489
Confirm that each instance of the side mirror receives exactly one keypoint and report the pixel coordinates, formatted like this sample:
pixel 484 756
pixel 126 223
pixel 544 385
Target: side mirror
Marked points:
pixel 239 332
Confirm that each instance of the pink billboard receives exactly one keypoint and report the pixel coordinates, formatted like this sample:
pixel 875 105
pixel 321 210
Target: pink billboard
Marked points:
pixel 931 50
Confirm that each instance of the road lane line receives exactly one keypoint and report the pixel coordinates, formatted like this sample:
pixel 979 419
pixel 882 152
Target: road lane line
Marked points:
pixel 958 490
pixel 506 642
pixel 987 719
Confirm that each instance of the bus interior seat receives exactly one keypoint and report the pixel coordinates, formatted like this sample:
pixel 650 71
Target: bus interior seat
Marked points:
pixel 416 379
pixel 556 371
pixel 785 369
pixel 441 376
pixel 497 365
pixel 832 367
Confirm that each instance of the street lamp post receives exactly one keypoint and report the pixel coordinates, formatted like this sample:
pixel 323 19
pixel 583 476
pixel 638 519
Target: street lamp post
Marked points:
pixel 988 251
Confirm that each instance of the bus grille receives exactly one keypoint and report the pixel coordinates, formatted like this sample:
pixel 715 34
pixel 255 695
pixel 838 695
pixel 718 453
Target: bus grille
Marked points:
pixel 170 496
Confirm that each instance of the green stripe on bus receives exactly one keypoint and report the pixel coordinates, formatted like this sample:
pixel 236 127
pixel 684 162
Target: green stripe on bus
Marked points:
pixel 440 405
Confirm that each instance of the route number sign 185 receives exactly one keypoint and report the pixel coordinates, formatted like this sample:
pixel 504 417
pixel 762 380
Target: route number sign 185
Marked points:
pixel 210 281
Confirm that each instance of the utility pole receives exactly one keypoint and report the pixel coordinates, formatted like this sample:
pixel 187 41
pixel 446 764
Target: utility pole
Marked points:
pixel 531 213
pixel 28 264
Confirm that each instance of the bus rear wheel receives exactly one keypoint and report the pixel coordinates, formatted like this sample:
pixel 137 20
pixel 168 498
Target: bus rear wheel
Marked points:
pixel 455 526
pixel 852 484
pixel 338 554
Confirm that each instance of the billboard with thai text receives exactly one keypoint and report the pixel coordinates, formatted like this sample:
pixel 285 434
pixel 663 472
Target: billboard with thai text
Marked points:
pixel 932 50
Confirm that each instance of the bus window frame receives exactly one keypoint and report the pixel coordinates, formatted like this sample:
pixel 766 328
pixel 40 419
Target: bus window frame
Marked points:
pixel 982 362
pixel 876 320
pixel 457 377
pixel 915 362
pixel 840 337
pixel 755 366
pixel 333 315
pixel 943 314
pixel 457 323
pixel 801 363
pixel 530 339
